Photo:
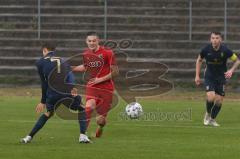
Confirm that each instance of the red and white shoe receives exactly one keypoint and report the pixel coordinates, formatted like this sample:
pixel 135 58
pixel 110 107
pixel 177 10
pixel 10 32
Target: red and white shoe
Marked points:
pixel 99 132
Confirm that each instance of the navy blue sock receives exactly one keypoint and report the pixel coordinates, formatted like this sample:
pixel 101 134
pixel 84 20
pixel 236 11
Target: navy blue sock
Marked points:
pixel 39 124
pixel 82 121
pixel 215 110
pixel 209 106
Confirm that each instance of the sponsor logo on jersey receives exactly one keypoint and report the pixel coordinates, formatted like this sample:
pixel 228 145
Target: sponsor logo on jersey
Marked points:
pixel 207 88
pixel 100 56
pixel 222 54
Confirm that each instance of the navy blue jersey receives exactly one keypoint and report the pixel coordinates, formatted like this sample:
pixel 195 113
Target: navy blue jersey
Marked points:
pixel 216 61
pixel 49 67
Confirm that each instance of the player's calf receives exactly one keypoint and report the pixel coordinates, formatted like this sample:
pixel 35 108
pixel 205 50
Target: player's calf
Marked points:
pixel 39 124
pixel 210 101
pixel 209 105
pixel 101 122
pixel 215 110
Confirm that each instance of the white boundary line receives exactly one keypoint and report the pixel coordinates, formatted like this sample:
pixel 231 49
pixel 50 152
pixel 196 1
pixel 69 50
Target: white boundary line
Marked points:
pixel 115 123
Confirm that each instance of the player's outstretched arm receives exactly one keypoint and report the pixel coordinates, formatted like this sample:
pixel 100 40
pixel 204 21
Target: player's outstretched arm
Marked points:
pixel 80 68
pixel 229 73
pixel 198 70
pixel 114 72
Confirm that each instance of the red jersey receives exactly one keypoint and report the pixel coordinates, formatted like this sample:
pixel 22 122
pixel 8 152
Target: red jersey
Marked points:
pixel 98 64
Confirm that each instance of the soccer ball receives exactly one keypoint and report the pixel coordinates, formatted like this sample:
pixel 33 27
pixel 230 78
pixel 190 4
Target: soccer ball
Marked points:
pixel 134 110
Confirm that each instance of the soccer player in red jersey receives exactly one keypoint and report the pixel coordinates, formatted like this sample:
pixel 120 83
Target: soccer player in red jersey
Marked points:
pixel 99 66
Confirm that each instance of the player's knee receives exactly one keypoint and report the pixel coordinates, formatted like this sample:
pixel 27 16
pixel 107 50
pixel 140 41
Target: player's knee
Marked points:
pixel 101 120
pixel 91 103
pixel 210 99
pixel 218 104
pixel 218 101
pixel 211 96
pixel 81 108
pixel 77 104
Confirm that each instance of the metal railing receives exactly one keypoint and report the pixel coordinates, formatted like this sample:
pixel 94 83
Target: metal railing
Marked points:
pixel 225 20
pixel 39 19
pixel 191 17
pixel 190 20
pixel 106 19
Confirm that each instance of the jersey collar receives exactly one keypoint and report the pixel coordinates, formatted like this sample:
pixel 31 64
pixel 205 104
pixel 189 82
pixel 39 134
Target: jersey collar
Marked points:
pixel 220 48
pixel 99 49
pixel 51 53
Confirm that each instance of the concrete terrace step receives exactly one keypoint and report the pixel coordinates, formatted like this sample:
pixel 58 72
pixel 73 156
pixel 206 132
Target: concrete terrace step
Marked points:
pixel 17 80
pixel 25 51
pixel 95 2
pixel 68 52
pixel 153 3
pixel 117 26
pixel 52 2
pixel 89 18
pixel 171 62
pixel 166 53
pixel 30 77
pixel 159 30
pixel 18 61
pixel 118 10
pixel 33 79
pixel 80 34
pixel 134 35
pixel 9 70
pixel 80 43
pixel 31 70
pixel 122 19
pixel 172 73
pixel 132 27
pixel 94 9
pixel 111 26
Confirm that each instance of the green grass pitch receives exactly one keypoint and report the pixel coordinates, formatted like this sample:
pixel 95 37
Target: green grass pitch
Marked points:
pixel 153 136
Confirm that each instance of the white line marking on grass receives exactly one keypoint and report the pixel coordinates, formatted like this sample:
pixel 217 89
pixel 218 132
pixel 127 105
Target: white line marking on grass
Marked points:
pixel 164 126
pixel 115 123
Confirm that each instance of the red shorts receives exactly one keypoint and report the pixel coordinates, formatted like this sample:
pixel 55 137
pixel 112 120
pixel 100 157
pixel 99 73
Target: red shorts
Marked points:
pixel 103 98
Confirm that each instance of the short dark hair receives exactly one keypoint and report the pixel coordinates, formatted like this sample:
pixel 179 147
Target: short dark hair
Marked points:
pixel 92 33
pixel 51 46
pixel 216 33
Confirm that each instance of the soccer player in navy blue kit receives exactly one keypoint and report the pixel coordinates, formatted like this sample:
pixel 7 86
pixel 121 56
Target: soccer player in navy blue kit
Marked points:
pixel 51 97
pixel 216 55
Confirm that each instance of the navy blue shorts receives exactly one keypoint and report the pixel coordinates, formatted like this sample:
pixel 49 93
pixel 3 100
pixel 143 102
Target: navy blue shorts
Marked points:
pixel 69 101
pixel 218 86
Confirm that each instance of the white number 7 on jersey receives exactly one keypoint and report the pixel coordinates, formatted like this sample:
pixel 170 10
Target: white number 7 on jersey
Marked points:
pixel 53 59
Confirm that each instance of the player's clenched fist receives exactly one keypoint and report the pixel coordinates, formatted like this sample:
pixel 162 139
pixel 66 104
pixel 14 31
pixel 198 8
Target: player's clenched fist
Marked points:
pixel 197 80
pixel 74 92
pixel 40 107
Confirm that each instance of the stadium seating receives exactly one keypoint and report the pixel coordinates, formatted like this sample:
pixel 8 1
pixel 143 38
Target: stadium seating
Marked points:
pixel 159 31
